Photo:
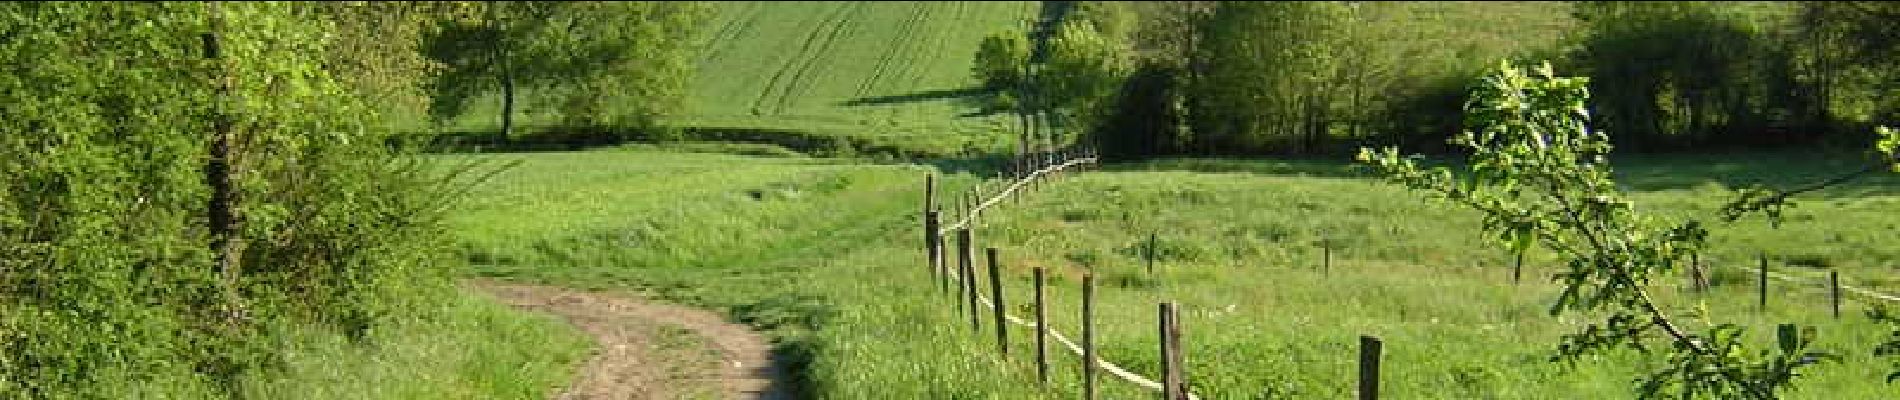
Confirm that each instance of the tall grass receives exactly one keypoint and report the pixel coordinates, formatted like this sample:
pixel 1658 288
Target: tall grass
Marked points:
pixel 472 347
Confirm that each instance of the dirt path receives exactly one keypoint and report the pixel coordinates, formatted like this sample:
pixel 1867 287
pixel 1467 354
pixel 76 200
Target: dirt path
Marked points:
pixel 651 350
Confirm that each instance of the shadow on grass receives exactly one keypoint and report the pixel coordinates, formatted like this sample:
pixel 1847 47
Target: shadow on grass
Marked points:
pixel 1776 169
pixel 927 95
pixel 1327 167
pixel 818 144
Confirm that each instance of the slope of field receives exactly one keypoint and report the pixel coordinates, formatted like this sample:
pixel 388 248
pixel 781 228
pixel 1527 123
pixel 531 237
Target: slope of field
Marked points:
pixel 891 72
pixel 827 257
pixel 1239 247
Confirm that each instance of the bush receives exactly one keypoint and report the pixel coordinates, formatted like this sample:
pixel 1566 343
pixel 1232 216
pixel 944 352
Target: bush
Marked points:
pixel 106 282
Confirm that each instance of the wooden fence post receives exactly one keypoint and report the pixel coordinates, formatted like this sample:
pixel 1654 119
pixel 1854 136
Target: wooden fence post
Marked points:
pixel 963 265
pixel 1761 291
pixel 1088 336
pixel 1369 348
pixel 1016 175
pixel 1172 385
pixel 971 204
pixel 958 207
pixel 930 192
pixel 1834 290
pixel 930 217
pixel 1326 257
pixel 976 203
pixel 1055 158
pixel 969 276
pixel 963 205
pixel 1696 279
pixel 933 252
pixel 996 297
pixel 1022 167
pixel 1042 334
pixel 1151 253
pixel 1517 270
pixel 1034 167
pixel 943 249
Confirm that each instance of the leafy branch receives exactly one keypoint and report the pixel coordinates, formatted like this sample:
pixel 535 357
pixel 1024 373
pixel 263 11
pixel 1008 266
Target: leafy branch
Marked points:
pixel 1539 176
pixel 1771 202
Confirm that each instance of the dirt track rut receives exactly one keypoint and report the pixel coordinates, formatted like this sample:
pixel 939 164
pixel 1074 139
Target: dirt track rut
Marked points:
pixel 652 350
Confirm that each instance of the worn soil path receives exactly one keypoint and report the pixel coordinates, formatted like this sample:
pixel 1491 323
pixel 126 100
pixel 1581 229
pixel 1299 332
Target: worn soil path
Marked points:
pixel 652 350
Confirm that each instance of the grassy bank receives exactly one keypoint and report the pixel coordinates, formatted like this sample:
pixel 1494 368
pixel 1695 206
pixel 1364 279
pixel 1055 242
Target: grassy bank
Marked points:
pixel 472 347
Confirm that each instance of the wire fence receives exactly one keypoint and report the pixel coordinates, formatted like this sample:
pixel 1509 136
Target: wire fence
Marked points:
pixel 1024 175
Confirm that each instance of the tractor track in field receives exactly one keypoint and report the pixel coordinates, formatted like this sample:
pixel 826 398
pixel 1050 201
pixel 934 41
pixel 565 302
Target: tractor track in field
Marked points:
pixel 898 47
pixel 801 80
pixel 652 350
pixel 741 23
pixel 780 88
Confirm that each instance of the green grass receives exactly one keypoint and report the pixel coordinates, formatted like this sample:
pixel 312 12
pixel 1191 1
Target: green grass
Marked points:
pixel 826 256
pixel 892 72
pixel 1240 252
pixel 461 345
pixel 473 347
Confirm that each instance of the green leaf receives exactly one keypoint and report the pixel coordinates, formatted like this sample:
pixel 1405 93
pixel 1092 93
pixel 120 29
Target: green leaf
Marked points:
pixel 1889 145
pixel 1789 338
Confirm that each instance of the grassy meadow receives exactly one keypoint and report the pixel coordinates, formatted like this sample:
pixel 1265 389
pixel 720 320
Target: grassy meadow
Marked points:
pixel 826 255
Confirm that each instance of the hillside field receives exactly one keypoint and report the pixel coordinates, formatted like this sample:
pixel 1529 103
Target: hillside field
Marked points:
pixel 895 72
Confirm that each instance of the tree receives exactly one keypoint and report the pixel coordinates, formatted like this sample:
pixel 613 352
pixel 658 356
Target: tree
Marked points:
pixel 1676 74
pixel 1539 176
pixel 607 63
pixel 1269 75
pixel 376 49
pixel 1074 81
pixel 1079 80
pixel 1112 19
pixel 1865 26
pixel 1002 65
pixel 109 202
pixel 1850 55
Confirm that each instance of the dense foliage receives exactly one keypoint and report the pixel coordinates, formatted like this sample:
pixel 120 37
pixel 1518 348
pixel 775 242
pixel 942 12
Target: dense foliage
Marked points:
pixel 601 64
pixel 1320 77
pixel 184 185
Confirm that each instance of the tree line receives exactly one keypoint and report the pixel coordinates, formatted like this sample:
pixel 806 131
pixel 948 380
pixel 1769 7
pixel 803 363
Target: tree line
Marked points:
pixel 184 183
pixel 1312 78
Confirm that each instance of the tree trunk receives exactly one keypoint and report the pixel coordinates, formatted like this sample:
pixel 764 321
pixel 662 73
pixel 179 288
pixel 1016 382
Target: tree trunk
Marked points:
pixel 506 71
pixel 222 207
pixel 1022 109
pixel 1824 113
pixel 507 98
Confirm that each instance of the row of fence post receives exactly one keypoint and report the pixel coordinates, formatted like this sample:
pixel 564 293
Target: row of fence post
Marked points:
pixel 1173 385
pixel 1019 167
pixel 1699 281
pixel 1173 360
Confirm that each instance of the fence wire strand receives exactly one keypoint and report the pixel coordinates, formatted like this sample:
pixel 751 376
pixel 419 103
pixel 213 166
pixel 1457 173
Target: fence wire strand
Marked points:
pixel 970 217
